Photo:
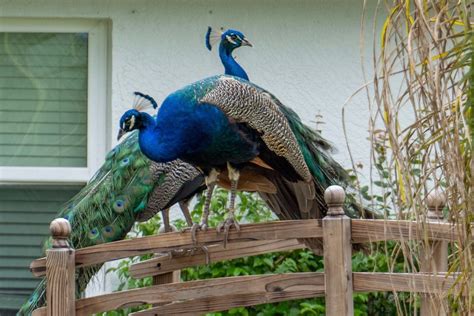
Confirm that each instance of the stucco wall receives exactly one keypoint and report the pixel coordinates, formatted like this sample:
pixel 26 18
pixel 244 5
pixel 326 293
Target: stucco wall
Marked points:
pixel 305 52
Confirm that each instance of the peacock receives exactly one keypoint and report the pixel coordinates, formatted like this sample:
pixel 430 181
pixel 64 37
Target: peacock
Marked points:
pixel 127 188
pixel 226 125
pixel 316 150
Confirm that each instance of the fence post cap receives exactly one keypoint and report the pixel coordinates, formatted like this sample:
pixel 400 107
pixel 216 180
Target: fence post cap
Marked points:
pixel 334 196
pixel 436 199
pixel 60 228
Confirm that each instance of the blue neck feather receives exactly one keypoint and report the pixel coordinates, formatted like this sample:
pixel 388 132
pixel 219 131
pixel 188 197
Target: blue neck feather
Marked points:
pixel 151 142
pixel 231 66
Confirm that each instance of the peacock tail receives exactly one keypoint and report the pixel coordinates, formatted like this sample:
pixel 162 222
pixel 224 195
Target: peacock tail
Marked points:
pixel 288 202
pixel 104 210
pixel 128 187
pixel 325 170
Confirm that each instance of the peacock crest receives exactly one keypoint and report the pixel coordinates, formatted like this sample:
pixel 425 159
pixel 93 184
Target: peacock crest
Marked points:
pixel 213 36
pixel 143 102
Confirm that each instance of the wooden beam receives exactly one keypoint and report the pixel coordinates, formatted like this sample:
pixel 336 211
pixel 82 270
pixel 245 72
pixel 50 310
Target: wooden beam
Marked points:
pixel 216 253
pixel 373 230
pixel 221 303
pixel 285 286
pixel 362 231
pixel 276 230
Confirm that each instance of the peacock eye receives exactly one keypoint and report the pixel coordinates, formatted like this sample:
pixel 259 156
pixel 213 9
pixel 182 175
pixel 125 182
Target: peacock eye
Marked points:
pixel 233 36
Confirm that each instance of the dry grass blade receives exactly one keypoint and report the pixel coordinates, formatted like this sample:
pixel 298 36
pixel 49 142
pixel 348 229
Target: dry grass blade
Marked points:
pixel 422 126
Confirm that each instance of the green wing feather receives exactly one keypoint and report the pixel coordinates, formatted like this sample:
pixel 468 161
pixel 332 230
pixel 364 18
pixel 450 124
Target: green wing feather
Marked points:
pixel 315 151
pixel 105 209
pixel 324 169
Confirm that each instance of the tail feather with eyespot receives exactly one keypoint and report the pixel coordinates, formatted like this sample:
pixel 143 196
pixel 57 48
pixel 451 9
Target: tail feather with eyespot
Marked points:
pixel 128 187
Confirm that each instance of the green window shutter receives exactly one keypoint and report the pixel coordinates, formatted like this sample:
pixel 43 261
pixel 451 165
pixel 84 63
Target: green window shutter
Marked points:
pixel 43 99
pixel 25 214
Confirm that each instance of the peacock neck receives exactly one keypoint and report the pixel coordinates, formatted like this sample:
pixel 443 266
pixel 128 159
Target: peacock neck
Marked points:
pixel 230 65
pixel 151 140
pixel 146 121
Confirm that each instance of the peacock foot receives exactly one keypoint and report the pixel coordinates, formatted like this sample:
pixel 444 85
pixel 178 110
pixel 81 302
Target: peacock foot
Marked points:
pixel 201 249
pixel 189 252
pixel 226 226
pixel 194 229
pixel 176 253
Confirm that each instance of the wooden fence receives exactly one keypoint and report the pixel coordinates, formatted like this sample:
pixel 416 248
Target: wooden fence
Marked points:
pixel 337 283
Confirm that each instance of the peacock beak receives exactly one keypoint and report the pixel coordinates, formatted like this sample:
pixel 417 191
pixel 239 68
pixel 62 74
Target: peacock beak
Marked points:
pixel 121 133
pixel 245 42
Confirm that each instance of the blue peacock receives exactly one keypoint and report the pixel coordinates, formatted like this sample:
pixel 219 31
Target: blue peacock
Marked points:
pixel 227 125
pixel 316 150
pixel 127 188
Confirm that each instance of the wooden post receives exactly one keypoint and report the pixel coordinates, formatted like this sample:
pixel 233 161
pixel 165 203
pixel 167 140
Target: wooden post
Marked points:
pixel 434 256
pixel 60 271
pixel 170 277
pixel 337 255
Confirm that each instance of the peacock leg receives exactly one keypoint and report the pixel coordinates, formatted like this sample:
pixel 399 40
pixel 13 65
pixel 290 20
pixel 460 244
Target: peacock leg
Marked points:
pixel 166 220
pixel 184 206
pixel 211 181
pixel 230 221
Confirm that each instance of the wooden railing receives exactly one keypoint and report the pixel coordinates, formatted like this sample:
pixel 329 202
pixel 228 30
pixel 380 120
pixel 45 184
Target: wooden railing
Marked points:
pixel 337 283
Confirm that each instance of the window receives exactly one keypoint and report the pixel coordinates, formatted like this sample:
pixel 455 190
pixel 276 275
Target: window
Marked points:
pixel 43 99
pixel 52 99
pixel 52 133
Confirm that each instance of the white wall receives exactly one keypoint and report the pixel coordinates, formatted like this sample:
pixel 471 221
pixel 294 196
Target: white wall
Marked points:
pixel 305 52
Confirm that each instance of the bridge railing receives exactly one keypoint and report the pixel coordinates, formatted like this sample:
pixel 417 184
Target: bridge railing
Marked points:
pixel 337 283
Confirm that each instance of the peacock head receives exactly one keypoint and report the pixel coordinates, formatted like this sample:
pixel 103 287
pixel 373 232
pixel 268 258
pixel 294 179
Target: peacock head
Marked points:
pixel 135 118
pixel 129 121
pixel 234 39
pixel 230 39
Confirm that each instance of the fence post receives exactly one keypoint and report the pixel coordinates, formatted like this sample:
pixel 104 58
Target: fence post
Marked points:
pixel 60 271
pixel 434 256
pixel 337 255
pixel 170 277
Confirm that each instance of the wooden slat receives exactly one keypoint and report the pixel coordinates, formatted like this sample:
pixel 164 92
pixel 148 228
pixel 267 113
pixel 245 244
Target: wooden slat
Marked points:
pixel 169 241
pixel 402 282
pixel 220 303
pixel 216 253
pixel 364 230
pixel 278 285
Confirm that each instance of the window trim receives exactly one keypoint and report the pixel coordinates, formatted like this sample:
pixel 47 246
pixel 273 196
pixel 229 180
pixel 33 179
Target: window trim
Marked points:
pixel 96 100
